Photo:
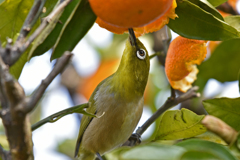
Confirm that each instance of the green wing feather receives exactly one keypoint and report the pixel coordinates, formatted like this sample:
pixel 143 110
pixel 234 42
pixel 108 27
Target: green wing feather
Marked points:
pixel 86 120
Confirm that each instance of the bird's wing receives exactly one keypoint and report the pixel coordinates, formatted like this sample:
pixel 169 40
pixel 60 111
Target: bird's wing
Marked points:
pixel 84 124
pixel 86 120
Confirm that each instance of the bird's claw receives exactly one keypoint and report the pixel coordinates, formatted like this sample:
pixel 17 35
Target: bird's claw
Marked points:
pixel 134 139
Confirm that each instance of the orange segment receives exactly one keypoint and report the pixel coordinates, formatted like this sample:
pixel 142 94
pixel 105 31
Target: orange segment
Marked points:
pixel 183 54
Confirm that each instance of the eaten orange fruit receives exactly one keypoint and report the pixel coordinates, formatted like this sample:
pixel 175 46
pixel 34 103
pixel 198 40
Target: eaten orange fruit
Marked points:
pixel 182 57
pixel 144 16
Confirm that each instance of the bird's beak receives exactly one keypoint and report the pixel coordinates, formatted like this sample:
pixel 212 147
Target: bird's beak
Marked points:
pixel 132 37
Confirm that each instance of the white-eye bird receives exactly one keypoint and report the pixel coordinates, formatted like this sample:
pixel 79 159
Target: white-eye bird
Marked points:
pixel 119 99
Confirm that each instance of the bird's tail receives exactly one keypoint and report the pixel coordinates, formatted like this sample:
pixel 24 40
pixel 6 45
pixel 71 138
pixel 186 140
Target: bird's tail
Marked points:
pixel 86 156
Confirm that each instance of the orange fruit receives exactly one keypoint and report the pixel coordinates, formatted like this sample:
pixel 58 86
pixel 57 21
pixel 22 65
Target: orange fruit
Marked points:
pixel 106 68
pixel 224 14
pixel 182 57
pixel 144 16
pixel 233 3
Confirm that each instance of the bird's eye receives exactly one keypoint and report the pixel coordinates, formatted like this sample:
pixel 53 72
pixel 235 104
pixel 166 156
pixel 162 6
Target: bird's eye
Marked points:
pixel 141 54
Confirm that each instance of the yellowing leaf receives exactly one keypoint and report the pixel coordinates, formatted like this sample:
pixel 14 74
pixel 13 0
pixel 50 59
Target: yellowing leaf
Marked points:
pixel 179 124
pixel 227 109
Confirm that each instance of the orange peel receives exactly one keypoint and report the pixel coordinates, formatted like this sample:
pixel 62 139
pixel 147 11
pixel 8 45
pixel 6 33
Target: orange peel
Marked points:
pixel 212 45
pixel 182 57
pixel 142 28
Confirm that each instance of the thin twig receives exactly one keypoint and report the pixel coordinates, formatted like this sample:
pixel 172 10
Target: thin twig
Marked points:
pixel 45 22
pixel 167 105
pixel 162 40
pixel 31 19
pixel 20 46
pixel 154 55
pixel 173 93
pixel 58 68
pixel 53 118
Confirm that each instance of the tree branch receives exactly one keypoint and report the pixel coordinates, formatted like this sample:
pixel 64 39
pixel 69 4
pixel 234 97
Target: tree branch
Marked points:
pixel 14 115
pixel 45 22
pixel 162 40
pixel 54 117
pixel 11 89
pixel 154 55
pixel 171 102
pixel 58 68
pixel 15 105
pixel 3 94
pixel 31 19
pixel 15 52
pixel 15 122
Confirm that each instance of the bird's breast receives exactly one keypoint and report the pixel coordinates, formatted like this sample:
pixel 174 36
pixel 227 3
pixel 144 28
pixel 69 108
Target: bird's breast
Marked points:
pixel 115 126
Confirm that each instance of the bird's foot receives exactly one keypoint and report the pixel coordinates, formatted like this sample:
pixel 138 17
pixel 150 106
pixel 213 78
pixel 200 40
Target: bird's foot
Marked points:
pixel 135 139
pixel 99 156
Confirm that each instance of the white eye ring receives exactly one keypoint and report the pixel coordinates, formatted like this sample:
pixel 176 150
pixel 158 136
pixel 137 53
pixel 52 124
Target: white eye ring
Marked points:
pixel 141 54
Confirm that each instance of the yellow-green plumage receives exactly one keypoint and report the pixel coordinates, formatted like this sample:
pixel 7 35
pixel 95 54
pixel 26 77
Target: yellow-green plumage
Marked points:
pixel 120 98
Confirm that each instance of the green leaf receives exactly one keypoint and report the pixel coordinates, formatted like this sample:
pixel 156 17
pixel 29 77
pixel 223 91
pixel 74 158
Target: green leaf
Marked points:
pixel 209 136
pixel 216 3
pixel 177 124
pixel 234 21
pixel 4 142
pixel 196 23
pixel 235 146
pixel 207 149
pixel 46 31
pixel 12 15
pixel 75 30
pixel 152 151
pixel 50 40
pixel 227 109
pixel 49 5
pixel 198 155
pixel 16 69
pixel 205 5
pixel 116 153
pixel 227 54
